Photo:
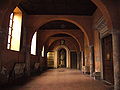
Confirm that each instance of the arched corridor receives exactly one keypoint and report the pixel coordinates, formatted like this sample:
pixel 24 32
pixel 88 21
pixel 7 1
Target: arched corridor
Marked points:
pixel 61 79
pixel 73 40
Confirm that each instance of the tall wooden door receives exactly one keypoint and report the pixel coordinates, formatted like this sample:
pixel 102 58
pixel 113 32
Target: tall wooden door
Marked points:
pixel 73 56
pixel 107 53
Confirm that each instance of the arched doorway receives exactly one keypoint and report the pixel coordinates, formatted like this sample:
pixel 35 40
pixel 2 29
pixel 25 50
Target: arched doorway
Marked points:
pixel 56 58
pixel 62 58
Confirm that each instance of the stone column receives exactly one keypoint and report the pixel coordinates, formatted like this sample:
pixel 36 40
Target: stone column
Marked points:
pixel 82 61
pixel 116 59
pixel 92 65
pixel 78 60
pixel 27 61
pixel 82 57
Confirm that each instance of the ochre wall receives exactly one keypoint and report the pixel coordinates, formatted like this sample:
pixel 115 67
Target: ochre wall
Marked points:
pixel 97 53
pixel 77 35
pixel 83 22
pixel 10 58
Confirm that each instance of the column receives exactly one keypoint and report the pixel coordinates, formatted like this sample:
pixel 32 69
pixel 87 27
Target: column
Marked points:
pixel 116 59
pixel 92 65
pixel 78 60
pixel 82 62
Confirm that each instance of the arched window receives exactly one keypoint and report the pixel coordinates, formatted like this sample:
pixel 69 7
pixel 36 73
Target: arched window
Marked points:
pixel 43 50
pixel 33 44
pixel 14 33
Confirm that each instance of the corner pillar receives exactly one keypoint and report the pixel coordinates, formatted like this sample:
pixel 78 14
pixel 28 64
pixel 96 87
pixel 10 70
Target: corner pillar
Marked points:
pixel 116 59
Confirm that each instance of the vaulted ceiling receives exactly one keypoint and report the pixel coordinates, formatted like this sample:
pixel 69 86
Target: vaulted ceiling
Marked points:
pixel 58 7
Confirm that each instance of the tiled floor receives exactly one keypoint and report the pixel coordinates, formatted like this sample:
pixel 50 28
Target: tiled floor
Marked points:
pixel 60 79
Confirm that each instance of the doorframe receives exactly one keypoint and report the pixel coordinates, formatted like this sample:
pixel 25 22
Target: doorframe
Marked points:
pixel 101 51
pixel 56 62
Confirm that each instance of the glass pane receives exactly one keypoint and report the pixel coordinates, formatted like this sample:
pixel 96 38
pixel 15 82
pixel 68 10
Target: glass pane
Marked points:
pixel 16 32
pixel 43 51
pixel 10 23
pixel 10 30
pixel 33 44
pixel 11 16
pixel 8 46
pixel 9 37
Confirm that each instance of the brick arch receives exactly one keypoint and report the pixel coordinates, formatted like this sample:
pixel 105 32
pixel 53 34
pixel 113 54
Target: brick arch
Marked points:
pixel 68 20
pixel 67 52
pixel 98 3
pixel 64 32
pixel 75 45
pixel 105 12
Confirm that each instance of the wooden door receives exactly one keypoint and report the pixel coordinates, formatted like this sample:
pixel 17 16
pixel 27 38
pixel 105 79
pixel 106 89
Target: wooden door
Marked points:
pixel 73 56
pixel 107 53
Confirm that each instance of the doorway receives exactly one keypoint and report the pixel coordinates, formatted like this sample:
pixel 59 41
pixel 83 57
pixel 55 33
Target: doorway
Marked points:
pixel 107 56
pixel 62 58
pixel 73 57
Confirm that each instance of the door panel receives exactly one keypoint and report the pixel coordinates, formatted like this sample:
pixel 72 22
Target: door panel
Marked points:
pixel 107 52
pixel 73 56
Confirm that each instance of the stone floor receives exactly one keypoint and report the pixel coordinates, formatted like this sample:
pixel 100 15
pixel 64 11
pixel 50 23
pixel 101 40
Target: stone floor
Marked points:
pixel 60 79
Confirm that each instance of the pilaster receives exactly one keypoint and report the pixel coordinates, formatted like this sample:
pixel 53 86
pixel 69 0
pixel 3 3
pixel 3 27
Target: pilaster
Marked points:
pixel 116 58
pixel 92 65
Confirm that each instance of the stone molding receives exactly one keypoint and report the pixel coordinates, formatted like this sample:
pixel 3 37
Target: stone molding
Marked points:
pixel 101 26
